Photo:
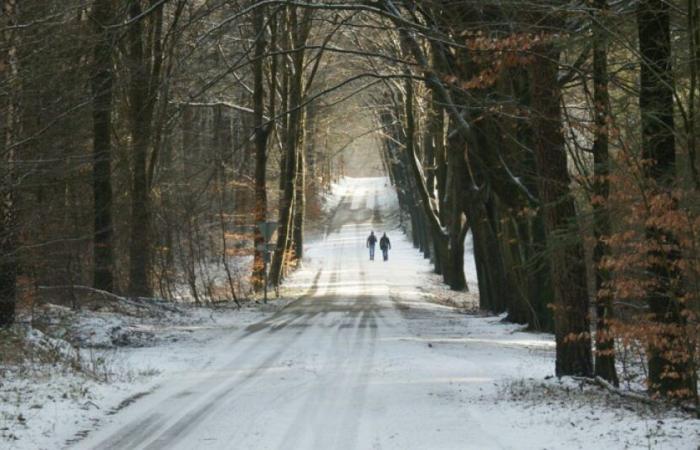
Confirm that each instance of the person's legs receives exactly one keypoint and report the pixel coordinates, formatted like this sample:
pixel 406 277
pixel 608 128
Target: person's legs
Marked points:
pixel 385 252
pixel 371 252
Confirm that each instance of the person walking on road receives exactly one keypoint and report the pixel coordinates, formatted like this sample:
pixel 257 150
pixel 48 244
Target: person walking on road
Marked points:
pixel 385 245
pixel 371 242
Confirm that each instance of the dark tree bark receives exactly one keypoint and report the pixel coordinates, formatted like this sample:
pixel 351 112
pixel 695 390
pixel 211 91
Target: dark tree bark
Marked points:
pixel 140 135
pixel 485 212
pixel 541 291
pixel 102 81
pixel 455 220
pixel 299 30
pixel 300 204
pixel 262 131
pixel 283 123
pixel 10 122
pixel 670 371
pixel 530 227
pixel 436 134
pixel 144 76
pixel 605 343
pixel 693 14
pixel 429 147
pixel 572 324
pixel 412 155
pixel 496 285
pixel 188 140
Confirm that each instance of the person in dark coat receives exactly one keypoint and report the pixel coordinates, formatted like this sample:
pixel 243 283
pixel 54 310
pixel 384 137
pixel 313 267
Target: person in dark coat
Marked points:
pixel 385 245
pixel 371 242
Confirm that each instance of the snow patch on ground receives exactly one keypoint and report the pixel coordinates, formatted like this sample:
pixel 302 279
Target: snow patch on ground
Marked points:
pixel 67 385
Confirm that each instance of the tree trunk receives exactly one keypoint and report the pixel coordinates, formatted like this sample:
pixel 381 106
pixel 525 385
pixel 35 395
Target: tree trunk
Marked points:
pixel 300 33
pixel 536 262
pixel 262 132
pixel 300 205
pixel 102 81
pixel 572 325
pixel 427 244
pixel 604 341
pixel 140 136
pixel 514 237
pixel 143 83
pixel 450 244
pixel 497 285
pixel 10 121
pixel 486 301
pixel 670 371
pixel 412 153
pixel 407 176
pixel 456 190
pixel 541 290
pixel 139 248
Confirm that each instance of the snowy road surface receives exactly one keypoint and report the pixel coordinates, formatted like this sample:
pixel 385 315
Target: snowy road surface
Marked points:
pixel 362 361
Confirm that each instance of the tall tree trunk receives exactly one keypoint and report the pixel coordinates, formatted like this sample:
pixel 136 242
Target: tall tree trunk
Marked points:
pixel 604 341
pixel 429 145
pixel 455 221
pixel 262 132
pixel 300 205
pixel 10 122
pixel 311 155
pixel 425 236
pixel 536 260
pixel 447 237
pixel 300 32
pixel 572 324
pixel 541 288
pixel 514 236
pixel 145 74
pixel 412 154
pixel 670 371
pixel 496 285
pixel 140 136
pixel 102 81
pixel 694 66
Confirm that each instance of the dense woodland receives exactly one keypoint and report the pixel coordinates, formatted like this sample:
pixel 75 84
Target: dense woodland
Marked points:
pixel 142 141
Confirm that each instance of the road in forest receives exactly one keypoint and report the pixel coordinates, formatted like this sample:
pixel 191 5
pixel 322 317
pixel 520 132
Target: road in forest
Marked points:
pixel 360 361
pixel 327 371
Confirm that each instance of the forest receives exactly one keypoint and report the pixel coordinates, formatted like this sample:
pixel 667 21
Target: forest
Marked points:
pixel 143 141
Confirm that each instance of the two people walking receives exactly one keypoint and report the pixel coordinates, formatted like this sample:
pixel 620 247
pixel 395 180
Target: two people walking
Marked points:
pixel 384 245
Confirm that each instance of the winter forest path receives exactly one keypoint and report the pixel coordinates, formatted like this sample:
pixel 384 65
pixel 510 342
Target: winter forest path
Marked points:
pixel 360 361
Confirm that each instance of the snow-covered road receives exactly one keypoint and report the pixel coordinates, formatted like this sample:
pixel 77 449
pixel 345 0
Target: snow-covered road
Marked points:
pixel 362 361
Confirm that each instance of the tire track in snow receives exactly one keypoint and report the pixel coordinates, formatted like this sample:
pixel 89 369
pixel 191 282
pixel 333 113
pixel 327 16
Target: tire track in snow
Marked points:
pixel 365 345
pixel 317 397
pixel 137 431
pixel 351 373
pixel 168 438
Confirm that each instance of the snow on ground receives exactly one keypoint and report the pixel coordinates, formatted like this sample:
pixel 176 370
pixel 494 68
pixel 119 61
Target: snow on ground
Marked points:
pixel 361 356
pixel 54 398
